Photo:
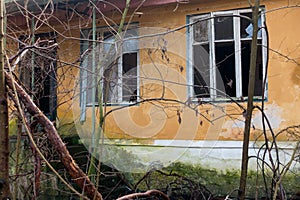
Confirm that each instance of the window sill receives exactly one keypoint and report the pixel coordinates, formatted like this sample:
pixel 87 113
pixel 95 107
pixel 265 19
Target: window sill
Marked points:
pixel 115 104
pixel 227 100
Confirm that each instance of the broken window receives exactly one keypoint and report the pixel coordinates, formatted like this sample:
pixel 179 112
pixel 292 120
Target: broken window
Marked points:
pixel 220 55
pixel 115 69
pixel 127 67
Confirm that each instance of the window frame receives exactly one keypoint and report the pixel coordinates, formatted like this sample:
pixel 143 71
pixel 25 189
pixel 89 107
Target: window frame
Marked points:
pixel 85 44
pixel 237 39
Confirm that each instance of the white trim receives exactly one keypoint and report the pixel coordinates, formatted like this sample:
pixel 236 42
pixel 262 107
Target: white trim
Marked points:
pixel 119 79
pixel 264 50
pixel 137 76
pixel 212 60
pixel 238 55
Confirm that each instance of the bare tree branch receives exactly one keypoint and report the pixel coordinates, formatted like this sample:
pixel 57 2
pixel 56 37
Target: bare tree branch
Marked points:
pixel 148 193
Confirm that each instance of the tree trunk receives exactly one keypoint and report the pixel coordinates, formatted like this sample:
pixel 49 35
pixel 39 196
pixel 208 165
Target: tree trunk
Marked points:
pixel 245 157
pixel 4 138
pixel 75 172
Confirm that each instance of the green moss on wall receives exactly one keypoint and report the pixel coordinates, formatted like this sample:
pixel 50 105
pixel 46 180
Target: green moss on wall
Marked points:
pixel 219 183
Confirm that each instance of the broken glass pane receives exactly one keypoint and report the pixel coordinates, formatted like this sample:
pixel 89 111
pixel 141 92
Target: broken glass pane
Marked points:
pixel 110 83
pixel 201 31
pixel 201 71
pixel 247 27
pixel 245 24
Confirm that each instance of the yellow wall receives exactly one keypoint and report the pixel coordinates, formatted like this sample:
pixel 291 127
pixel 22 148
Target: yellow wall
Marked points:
pixel 160 120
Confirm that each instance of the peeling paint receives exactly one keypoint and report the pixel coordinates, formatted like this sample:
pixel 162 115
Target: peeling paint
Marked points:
pixel 233 129
pixel 274 114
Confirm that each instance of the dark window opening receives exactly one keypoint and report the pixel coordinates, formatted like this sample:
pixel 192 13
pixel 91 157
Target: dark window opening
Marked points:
pixel 42 82
pixel 246 53
pixel 225 69
pixel 129 76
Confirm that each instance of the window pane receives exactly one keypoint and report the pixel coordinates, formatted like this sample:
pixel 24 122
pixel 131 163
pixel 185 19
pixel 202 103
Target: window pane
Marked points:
pixel 247 27
pixel 225 69
pixel 246 51
pixel 110 83
pixel 129 77
pixel 200 30
pixel 201 73
pixel 223 28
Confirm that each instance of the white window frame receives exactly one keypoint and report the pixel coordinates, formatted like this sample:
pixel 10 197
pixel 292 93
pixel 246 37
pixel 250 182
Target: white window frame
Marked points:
pixel 237 46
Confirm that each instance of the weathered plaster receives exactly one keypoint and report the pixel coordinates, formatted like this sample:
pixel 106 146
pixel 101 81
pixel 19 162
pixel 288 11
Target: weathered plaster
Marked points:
pixel 233 129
